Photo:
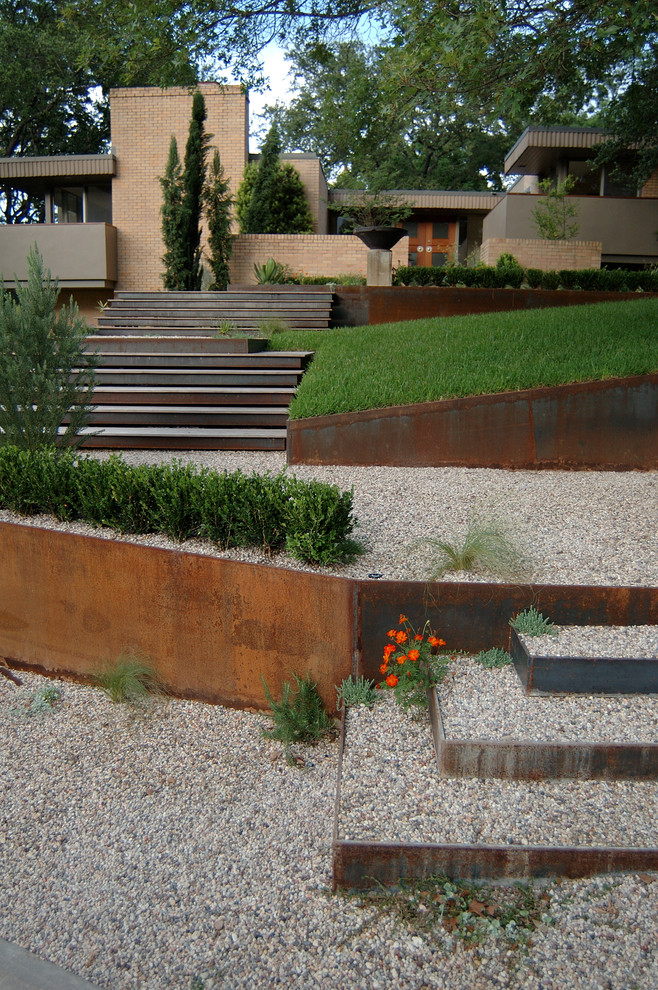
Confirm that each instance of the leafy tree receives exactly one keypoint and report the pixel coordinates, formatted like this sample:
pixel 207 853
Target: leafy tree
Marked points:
pixel 172 226
pixel 526 61
pixel 347 109
pixel 258 219
pixel 45 373
pixel 290 212
pixel 218 212
pixel 554 215
pixel 194 171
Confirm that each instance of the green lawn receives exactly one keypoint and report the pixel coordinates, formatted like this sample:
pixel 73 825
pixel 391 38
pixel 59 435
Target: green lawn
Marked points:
pixel 422 360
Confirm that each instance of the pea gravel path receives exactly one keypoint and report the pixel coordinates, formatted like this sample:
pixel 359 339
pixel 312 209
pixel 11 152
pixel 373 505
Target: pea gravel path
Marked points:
pixel 148 850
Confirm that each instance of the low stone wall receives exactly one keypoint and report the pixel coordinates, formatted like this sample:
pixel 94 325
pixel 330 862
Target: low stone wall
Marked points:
pixel 547 255
pixel 607 425
pixel 212 629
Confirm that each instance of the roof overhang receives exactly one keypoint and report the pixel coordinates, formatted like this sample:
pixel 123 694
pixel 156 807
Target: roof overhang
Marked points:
pixel 540 148
pixel 52 169
pixel 431 199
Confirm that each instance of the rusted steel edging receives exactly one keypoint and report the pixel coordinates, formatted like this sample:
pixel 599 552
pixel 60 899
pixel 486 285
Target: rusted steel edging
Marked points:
pixel 530 759
pixel 359 865
pixel 603 425
pixel 583 675
pixel 213 628
pixel 356 305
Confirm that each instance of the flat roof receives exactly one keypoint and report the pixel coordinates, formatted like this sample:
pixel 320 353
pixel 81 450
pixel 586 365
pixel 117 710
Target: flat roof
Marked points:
pixel 432 199
pixel 57 167
pixel 540 148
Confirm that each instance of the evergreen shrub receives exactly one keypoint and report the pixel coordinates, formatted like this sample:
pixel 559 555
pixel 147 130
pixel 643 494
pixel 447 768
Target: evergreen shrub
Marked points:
pixel 312 520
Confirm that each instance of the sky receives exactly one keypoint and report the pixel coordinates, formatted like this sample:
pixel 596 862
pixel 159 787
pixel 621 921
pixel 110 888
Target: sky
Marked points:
pixel 276 71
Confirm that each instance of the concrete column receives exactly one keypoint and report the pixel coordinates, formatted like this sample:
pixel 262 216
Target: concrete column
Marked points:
pixel 379 270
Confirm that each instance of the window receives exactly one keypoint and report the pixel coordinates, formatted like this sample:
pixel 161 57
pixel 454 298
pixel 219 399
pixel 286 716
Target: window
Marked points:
pixel 441 231
pixel 68 205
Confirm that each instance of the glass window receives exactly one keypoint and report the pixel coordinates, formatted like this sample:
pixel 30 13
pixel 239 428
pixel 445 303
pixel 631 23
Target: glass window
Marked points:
pixel 412 227
pixel 68 205
pixel 588 179
pixel 441 231
pixel 99 204
pixel 438 259
pixel 413 258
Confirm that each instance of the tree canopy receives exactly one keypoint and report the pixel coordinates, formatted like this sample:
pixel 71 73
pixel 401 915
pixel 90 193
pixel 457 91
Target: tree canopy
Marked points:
pixel 452 83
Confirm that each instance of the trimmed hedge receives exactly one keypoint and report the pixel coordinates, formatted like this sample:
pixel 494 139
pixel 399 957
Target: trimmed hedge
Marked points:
pixel 313 521
pixel 515 276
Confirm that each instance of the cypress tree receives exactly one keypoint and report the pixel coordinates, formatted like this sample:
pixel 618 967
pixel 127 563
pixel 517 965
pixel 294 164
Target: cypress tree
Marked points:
pixel 194 171
pixel 243 199
pixel 218 213
pixel 259 214
pixel 172 234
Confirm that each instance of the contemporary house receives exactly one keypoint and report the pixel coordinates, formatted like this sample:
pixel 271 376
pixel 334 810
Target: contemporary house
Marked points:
pixel 99 215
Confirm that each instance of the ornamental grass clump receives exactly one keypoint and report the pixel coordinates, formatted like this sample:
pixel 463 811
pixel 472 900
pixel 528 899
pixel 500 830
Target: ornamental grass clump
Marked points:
pixel 356 691
pixel 130 679
pixel 488 546
pixel 412 664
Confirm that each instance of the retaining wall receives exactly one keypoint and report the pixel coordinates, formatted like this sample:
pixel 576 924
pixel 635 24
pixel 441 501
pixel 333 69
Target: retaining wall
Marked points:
pixel 607 425
pixel 360 305
pixel 213 628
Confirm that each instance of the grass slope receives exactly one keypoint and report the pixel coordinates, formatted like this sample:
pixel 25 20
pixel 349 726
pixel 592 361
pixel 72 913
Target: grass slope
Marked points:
pixel 422 360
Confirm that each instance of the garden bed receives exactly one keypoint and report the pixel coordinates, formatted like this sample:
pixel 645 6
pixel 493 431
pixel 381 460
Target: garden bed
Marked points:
pixel 396 817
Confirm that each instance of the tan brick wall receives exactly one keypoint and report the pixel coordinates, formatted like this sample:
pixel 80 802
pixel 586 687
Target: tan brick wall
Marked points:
pixel 315 186
pixel 547 255
pixel 307 254
pixel 143 120
pixel 650 187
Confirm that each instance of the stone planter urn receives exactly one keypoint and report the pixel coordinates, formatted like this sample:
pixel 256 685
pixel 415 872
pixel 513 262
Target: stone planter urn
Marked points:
pixel 379 240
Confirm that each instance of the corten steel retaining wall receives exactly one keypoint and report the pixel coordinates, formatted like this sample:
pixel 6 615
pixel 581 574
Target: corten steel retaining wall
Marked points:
pixel 607 425
pixel 360 305
pixel 212 627
pixel 209 627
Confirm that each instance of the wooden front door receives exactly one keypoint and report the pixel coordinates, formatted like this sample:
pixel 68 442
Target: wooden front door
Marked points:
pixel 431 243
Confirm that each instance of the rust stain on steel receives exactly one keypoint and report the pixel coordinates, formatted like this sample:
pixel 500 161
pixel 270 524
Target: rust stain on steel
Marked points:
pixel 475 616
pixel 362 305
pixel 211 628
pixel 610 425
pixel 362 865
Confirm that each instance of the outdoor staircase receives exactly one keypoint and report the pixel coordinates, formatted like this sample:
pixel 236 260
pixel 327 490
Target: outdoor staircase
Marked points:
pixel 201 313
pixel 191 392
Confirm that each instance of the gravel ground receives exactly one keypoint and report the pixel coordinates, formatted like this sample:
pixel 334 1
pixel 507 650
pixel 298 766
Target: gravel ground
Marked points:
pixel 614 542
pixel 419 805
pixel 614 642
pixel 491 704
pixel 160 847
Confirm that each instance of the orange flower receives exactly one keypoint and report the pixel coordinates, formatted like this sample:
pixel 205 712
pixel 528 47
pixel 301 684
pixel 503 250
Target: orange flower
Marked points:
pixel 401 637
pixel 433 641
pixel 391 680
pixel 403 618
pixel 414 654
pixel 392 633
pixel 388 649
pixel 401 659
pixel 442 642
pixel 418 637
pixel 383 669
